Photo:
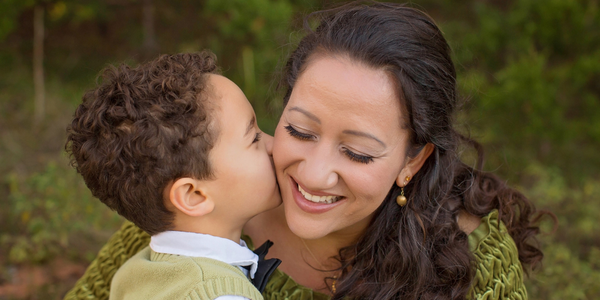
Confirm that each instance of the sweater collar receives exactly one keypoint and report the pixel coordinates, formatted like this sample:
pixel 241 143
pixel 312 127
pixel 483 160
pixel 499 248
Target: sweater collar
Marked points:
pixel 204 245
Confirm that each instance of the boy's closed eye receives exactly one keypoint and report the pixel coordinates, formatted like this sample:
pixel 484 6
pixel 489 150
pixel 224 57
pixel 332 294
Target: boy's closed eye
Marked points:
pixel 257 137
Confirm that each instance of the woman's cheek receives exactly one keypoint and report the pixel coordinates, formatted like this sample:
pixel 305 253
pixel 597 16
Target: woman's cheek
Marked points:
pixel 284 145
pixel 281 149
pixel 374 183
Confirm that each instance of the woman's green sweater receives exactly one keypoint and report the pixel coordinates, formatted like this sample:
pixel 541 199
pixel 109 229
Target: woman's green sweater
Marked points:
pixel 498 272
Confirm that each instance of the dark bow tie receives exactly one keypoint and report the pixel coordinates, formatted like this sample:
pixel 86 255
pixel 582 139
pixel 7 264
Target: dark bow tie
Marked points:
pixel 266 267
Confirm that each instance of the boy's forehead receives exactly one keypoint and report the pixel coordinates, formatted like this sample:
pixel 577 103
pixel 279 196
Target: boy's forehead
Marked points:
pixel 225 90
pixel 212 90
pixel 220 86
pixel 229 100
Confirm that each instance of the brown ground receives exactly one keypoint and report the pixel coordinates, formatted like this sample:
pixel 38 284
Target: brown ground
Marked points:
pixel 48 281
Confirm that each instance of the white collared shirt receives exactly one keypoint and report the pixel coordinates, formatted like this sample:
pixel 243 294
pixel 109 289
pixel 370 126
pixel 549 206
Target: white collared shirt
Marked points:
pixel 204 245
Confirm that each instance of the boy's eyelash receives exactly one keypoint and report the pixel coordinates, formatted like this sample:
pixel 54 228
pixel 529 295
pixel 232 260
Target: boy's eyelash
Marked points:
pixel 297 134
pixel 257 137
pixel 363 159
pixel 357 157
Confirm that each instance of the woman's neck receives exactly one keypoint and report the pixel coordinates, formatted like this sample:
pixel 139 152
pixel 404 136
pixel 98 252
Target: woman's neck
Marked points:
pixel 273 224
pixel 303 260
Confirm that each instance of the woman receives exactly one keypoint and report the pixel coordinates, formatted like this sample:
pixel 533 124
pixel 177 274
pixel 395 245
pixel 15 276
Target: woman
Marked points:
pixel 377 204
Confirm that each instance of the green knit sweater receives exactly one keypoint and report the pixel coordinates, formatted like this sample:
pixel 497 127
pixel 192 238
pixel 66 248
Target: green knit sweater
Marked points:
pixel 151 275
pixel 498 272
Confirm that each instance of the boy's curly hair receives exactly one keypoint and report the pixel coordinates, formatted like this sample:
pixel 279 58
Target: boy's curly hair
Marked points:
pixel 142 128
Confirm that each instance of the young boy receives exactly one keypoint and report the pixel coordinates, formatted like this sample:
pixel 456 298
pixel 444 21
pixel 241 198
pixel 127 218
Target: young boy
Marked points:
pixel 175 148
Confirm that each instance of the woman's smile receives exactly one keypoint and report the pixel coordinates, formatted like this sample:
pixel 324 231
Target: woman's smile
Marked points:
pixel 318 199
pixel 304 200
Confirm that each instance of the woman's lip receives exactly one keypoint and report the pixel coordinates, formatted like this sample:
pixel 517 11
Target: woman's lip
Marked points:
pixel 312 192
pixel 309 206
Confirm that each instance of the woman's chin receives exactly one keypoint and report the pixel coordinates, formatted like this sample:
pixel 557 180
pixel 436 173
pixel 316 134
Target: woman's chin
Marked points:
pixel 303 226
pixel 307 233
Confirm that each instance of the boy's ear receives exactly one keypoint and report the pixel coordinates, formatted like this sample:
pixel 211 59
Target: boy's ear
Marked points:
pixel 414 164
pixel 188 197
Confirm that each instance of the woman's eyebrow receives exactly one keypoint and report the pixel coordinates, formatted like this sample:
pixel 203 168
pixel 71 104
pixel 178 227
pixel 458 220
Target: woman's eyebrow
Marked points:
pixel 364 134
pixel 351 132
pixel 306 113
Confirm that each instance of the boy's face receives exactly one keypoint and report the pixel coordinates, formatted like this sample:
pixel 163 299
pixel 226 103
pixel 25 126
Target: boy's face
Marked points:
pixel 245 183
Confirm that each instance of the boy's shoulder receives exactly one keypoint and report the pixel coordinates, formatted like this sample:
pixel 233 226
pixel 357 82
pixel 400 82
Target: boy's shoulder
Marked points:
pixel 152 275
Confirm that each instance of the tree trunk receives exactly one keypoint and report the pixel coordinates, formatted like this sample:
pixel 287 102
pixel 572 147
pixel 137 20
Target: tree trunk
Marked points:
pixel 38 64
pixel 150 46
pixel 249 73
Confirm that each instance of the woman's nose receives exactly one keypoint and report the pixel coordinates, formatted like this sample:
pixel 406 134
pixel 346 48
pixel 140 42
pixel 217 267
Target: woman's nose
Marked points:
pixel 317 170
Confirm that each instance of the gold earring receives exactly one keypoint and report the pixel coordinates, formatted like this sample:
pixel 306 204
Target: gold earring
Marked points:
pixel 401 200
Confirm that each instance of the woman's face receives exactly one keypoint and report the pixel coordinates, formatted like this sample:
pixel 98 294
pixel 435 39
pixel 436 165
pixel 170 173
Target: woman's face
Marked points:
pixel 339 147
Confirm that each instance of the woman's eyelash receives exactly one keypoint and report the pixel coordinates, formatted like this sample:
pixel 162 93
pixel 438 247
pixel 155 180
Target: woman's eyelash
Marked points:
pixel 357 157
pixel 257 137
pixel 297 134
pixel 363 159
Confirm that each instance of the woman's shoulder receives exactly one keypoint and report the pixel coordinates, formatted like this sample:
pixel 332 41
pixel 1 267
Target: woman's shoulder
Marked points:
pixel 498 271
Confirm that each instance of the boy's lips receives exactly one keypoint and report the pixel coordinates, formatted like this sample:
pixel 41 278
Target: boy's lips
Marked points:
pixel 322 202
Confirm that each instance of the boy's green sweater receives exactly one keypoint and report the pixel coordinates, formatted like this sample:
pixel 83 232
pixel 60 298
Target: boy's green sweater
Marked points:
pixel 152 275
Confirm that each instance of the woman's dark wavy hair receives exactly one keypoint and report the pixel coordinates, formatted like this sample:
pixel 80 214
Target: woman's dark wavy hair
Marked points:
pixel 142 128
pixel 416 251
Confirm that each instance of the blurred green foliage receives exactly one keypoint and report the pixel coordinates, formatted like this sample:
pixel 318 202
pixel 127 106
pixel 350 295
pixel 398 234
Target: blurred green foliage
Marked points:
pixel 571 266
pixel 48 209
pixel 528 69
pixel 11 9
pixel 260 28
pixel 532 70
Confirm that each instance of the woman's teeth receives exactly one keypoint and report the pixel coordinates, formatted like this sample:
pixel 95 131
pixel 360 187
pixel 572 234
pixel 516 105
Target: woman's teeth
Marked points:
pixel 318 199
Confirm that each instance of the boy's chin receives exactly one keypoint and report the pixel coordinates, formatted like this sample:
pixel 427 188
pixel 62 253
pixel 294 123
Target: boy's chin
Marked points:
pixel 275 202
pixel 272 203
pixel 278 203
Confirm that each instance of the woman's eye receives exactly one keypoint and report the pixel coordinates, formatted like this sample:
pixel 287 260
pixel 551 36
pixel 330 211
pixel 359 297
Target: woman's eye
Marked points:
pixel 257 137
pixel 297 134
pixel 357 157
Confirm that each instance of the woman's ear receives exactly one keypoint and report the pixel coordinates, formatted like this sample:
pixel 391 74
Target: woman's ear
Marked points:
pixel 188 197
pixel 413 165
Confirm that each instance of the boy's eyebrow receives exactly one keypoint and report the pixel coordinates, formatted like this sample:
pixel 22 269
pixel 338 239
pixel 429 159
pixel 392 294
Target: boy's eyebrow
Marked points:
pixel 250 125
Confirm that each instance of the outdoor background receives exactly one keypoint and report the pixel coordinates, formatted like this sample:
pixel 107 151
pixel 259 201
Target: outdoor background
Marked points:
pixel 529 71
